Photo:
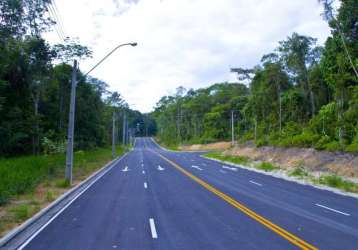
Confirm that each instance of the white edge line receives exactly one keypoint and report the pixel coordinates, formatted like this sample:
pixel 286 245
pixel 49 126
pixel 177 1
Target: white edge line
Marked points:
pixel 193 166
pixel 152 228
pixel 145 185
pixel 66 206
pixel 331 209
pixel 256 183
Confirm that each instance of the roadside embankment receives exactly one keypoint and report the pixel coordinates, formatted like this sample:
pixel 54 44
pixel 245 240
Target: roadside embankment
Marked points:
pixel 338 163
pixel 337 170
pixel 312 160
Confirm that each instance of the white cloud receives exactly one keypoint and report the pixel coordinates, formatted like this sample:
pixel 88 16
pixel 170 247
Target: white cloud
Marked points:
pixel 182 42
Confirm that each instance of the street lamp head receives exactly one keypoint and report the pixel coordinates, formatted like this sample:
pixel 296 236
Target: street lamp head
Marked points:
pixel 133 44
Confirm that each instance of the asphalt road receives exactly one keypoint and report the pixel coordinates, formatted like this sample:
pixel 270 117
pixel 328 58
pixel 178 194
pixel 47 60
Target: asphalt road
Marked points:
pixel 158 199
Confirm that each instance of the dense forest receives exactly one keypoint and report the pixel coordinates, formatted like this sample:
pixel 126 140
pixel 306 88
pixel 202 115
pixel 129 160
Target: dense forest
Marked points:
pixel 301 94
pixel 35 84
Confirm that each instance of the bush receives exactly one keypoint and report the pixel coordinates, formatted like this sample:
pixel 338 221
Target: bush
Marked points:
pixel 320 144
pixel 353 148
pixel 332 146
pixel 338 182
pixel 306 139
pixel 50 147
pixel 234 159
pixel 291 129
pixel 249 135
pixel 260 142
pixel 266 166
pixel 206 140
pixel 299 172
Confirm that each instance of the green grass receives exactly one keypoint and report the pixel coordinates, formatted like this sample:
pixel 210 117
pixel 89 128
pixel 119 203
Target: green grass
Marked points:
pixel 234 159
pixel 49 196
pixel 338 182
pixel 298 172
pixel 172 147
pixel 62 183
pixel 21 175
pixel 21 212
pixel 266 166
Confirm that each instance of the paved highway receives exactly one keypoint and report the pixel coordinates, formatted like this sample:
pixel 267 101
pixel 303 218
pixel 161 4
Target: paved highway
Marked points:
pixel 158 199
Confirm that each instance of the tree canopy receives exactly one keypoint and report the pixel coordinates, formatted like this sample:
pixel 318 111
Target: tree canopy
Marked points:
pixel 35 81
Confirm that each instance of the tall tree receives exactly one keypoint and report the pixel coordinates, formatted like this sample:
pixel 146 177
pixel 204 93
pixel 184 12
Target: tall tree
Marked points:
pixel 299 53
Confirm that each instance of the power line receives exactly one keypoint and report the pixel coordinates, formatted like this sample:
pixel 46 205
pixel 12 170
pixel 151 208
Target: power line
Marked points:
pixel 53 14
pixel 58 25
pixel 59 17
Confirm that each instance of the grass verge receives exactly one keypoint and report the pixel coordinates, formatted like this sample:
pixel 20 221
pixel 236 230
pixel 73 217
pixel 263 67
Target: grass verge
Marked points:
pixel 338 182
pixel 30 183
pixel 266 166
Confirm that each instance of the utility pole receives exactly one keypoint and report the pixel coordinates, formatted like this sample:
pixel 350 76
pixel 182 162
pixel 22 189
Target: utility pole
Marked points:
pixel 114 135
pixel 71 120
pixel 124 129
pixel 71 125
pixel 280 113
pixel 127 132
pixel 232 128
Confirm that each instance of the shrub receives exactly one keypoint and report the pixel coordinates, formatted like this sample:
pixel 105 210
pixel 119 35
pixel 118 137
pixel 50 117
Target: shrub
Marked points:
pixel 234 159
pixel 50 147
pixel 332 146
pixel 320 144
pixel 291 129
pixel 338 182
pixel 299 172
pixel 260 142
pixel 249 135
pixel 306 139
pixel 266 166
pixel 206 140
pixel 21 212
pixel 353 148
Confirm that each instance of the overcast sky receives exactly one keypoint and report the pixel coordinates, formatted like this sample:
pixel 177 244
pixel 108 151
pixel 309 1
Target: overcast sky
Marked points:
pixel 190 43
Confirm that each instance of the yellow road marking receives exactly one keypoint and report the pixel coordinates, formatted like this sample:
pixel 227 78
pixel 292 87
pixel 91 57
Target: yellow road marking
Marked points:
pixel 277 229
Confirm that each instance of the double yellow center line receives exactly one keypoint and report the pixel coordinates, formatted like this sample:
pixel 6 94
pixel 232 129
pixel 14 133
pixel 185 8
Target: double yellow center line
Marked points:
pixel 277 229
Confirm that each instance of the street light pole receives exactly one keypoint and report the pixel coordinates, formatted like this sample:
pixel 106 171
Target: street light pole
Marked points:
pixel 71 120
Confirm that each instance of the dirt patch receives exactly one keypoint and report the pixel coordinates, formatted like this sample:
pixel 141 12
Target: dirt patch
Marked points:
pixel 210 146
pixel 343 164
pixel 33 202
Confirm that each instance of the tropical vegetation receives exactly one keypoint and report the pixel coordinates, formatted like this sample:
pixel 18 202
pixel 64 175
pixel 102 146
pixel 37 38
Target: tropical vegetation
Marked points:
pixel 301 94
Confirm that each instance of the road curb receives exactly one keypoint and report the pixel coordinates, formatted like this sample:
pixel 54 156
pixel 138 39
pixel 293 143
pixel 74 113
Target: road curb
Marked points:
pixel 17 236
